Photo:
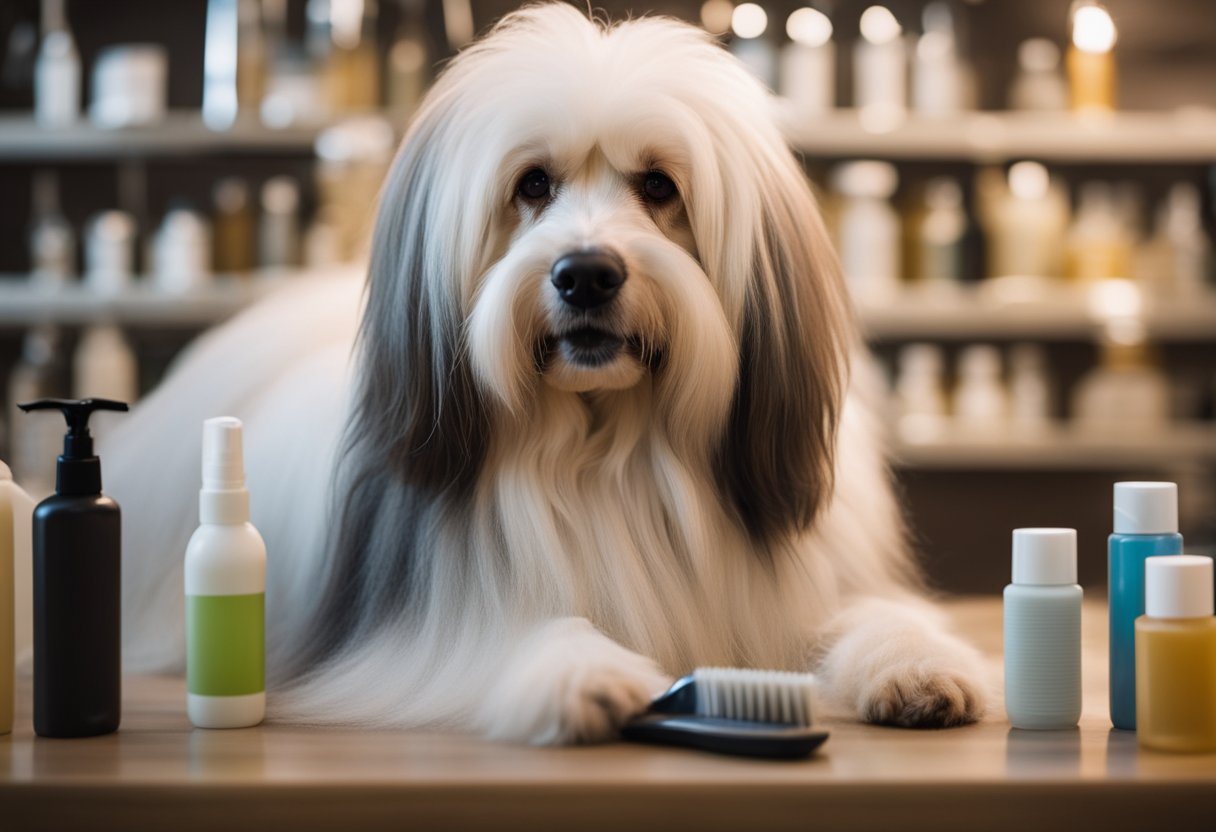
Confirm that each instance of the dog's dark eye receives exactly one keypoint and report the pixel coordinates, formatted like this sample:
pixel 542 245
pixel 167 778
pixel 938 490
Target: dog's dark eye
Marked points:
pixel 534 185
pixel 658 187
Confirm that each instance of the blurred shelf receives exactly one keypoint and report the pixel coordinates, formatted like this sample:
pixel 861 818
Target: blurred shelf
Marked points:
pixel 22 305
pixel 975 314
pixel 1123 137
pixel 1063 448
pixel 1180 136
pixel 181 133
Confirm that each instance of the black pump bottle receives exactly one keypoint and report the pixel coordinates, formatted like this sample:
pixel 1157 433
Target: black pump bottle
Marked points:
pixel 77 557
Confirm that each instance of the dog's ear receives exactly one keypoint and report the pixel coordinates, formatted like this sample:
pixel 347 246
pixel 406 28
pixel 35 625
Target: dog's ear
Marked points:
pixel 417 405
pixel 776 462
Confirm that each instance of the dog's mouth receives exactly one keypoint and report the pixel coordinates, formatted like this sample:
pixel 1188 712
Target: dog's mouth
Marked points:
pixel 590 347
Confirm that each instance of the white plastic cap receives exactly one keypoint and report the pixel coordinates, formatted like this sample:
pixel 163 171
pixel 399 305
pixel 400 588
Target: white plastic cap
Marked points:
pixel 1146 508
pixel 1045 557
pixel 1178 586
pixel 223 458
pixel 979 361
pixel 921 360
pixel 866 178
pixel 6 473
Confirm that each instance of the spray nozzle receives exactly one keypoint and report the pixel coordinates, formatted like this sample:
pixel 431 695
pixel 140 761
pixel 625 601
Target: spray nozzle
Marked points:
pixel 78 443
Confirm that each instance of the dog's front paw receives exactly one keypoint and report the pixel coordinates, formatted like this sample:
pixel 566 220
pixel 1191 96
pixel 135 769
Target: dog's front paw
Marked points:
pixel 894 663
pixel 916 697
pixel 569 683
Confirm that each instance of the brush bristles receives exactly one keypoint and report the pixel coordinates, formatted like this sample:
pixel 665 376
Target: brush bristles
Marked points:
pixel 754 695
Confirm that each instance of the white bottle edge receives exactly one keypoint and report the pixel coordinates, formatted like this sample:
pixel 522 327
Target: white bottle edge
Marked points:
pixel 226 711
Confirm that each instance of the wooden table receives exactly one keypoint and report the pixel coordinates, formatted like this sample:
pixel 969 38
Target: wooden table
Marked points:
pixel 158 774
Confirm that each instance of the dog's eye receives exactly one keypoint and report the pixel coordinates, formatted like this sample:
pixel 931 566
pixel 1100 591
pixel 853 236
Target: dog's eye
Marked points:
pixel 534 185
pixel 658 187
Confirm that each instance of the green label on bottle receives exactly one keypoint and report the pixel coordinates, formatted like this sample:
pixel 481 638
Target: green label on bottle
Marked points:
pixel 226 644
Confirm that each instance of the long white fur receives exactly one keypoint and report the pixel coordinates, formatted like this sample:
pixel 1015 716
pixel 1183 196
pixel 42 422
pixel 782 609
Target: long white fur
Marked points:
pixel 598 560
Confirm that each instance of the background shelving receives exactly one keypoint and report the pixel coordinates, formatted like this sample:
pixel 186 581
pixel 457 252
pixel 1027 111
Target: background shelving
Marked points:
pixel 1182 136
pixel 974 314
pixel 1063 448
pixel 23 305
pixel 182 133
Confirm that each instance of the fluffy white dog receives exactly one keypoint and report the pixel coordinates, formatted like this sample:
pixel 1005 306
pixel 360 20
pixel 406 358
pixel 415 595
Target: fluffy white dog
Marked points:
pixel 597 427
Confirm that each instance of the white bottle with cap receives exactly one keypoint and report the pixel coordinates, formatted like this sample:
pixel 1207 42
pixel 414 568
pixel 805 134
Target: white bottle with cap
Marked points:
pixel 56 70
pixel 225 592
pixel 1176 656
pixel 981 404
pixel 1043 631
pixel 869 228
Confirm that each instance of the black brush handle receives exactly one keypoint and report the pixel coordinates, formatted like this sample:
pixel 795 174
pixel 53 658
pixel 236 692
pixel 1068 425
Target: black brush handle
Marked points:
pixel 739 737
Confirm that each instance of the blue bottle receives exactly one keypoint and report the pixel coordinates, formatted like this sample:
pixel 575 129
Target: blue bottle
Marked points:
pixel 1146 525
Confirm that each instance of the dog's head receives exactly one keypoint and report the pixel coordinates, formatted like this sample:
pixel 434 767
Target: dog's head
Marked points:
pixel 594 208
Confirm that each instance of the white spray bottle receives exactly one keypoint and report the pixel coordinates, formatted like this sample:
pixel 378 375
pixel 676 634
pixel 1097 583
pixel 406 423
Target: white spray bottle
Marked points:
pixel 225 592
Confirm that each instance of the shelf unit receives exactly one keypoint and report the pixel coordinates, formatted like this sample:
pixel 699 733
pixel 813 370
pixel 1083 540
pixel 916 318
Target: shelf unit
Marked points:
pixel 1180 136
pixel 1128 138
pixel 1060 314
pixel 1184 136
pixel 182 133
pixel 1062 448
pixel 23 305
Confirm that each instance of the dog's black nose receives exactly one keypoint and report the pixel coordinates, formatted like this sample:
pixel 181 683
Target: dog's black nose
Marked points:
pixel 587 279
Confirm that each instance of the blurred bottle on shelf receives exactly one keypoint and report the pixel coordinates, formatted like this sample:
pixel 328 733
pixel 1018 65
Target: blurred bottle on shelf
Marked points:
pixel 104 366
pixel 1024 215
pixel 1038 85
pixel 292 90
pixel 40 373
pixel 130 86
pixel 253 50
pixel 408 62
pixel 352 161
pixel 748 24
pixel 52 239
pixel 940 234
pixel 181 252
pixel 940 78
pixel 981 404
pixel 109 252
pixel 1178 259
pixel 869 228
pixel 880 69
pixel 322 245
pixel 715 16
pixel 1091 60
pixel 1029 389
pixel 920 399
pixel 56 69
pixel 234 61
pixel 1100 243
pixel 808 62
pixel 279 225
pixel 351 71
pixel 1126 393
pixel 233 226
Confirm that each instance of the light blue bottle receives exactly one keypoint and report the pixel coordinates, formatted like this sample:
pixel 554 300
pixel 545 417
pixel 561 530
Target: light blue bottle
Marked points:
pixel 1146 525
pixel 1043 631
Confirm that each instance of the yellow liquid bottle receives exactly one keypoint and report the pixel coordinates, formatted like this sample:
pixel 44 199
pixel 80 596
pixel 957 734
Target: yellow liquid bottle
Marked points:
pixel 1176 656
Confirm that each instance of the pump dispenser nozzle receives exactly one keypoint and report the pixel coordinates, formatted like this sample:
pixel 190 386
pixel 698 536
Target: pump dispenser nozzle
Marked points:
pixel 78 470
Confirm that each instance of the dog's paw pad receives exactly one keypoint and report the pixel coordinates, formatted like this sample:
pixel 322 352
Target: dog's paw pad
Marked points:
pixel 922 700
